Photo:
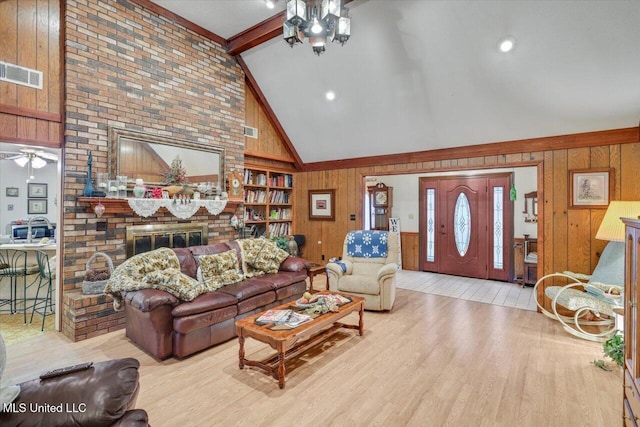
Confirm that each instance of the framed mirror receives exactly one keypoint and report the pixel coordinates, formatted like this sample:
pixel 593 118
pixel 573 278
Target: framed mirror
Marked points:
pixel 531 207
pixel 142 155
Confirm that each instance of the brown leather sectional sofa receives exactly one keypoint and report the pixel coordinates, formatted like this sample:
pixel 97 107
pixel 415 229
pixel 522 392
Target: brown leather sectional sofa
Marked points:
pixel 164 326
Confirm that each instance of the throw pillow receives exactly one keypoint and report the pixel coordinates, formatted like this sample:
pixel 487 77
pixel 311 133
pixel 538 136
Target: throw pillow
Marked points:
pixel 175 282
pixel 265 256
pixel 218 270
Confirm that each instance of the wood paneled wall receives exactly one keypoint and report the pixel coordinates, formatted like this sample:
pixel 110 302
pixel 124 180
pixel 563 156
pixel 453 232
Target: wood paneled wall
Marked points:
pixel 30 37
pixel 268 146
pixel 568 235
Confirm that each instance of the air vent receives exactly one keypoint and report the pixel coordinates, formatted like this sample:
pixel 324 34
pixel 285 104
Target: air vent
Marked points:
pixel 251 132
pixel 23 76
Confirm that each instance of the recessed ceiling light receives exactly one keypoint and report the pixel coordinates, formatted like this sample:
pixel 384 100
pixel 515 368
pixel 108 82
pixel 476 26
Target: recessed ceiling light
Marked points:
pixel 330 95
pixel 507 44
pixel 270 3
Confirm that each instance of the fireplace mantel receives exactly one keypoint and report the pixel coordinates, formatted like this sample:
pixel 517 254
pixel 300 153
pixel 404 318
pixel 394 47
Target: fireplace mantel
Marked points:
pixel 121 206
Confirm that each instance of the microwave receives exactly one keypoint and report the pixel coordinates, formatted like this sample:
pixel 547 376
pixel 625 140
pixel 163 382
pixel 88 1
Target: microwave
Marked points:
pixel 19 232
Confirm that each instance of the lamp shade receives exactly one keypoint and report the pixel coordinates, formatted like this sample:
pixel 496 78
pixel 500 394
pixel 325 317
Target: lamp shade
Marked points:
pixel 612 228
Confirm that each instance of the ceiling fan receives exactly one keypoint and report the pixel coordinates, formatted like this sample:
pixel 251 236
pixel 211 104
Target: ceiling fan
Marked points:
pixel 37 158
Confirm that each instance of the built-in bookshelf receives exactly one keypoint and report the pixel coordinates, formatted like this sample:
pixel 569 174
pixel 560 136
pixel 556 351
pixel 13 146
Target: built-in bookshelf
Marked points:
pixel 268 202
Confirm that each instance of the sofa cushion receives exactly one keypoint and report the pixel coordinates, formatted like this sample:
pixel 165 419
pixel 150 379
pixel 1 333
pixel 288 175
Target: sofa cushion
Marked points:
pixel 247 288
pixel 281 279
pixel 188 263
pixel 216 248
pixel 261 255
pixel 205 302
pixel 219 270
pixel 175 282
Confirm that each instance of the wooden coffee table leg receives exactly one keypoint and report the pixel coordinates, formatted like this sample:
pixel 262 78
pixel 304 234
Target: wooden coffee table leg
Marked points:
pixel 281 370
pixel 361 321
pixel 241 352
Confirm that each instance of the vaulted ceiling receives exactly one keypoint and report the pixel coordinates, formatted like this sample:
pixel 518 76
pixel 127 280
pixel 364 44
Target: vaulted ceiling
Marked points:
pixel 423 75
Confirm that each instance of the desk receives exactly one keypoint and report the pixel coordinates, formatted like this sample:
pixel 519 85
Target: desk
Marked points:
pixel 312 270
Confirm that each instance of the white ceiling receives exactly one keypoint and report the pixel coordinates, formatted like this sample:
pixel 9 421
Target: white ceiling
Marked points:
pixel 423 75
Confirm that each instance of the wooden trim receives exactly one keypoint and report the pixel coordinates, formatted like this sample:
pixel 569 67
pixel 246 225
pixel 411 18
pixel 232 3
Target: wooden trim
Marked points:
pixel 38 142
pixel 262 100
pixel 268 156
pixel 177 19
pixel 32 114
pixel 576 140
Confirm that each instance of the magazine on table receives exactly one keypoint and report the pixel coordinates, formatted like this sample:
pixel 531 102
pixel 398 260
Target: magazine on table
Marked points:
pixel 274 316
pixel 297 319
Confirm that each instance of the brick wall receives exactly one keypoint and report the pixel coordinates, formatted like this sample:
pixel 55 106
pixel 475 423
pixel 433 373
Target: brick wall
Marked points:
pixel 130 68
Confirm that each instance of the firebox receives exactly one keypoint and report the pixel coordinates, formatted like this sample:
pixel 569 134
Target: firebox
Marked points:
pixel 144 238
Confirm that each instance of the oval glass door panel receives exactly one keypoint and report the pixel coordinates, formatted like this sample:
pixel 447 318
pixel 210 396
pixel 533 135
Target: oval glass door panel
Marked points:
pixel 462 224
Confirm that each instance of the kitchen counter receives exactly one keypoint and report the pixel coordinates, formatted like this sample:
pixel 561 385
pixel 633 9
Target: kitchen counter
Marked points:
pixel 29 246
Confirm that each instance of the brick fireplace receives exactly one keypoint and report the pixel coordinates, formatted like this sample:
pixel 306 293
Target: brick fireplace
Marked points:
pixel 126 66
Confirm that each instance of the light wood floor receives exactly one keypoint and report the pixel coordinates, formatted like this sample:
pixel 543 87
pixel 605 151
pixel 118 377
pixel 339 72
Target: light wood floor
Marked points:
pixel 431 361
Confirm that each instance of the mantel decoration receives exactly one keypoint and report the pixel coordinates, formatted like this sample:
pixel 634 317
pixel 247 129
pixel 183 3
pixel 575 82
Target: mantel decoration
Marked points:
pixel 176 174
pixel 182 208
pixel 318 20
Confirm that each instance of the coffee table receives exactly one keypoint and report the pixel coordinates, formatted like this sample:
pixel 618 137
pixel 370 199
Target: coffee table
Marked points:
pixel 289 343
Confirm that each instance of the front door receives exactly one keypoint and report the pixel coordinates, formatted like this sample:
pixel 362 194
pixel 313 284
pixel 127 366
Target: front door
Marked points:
pixel 466 224
pixel 463 227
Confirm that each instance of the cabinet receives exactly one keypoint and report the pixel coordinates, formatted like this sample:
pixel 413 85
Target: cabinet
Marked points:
pixel 631 393
pixel 380 202
pixel 268 201
pixel 525 260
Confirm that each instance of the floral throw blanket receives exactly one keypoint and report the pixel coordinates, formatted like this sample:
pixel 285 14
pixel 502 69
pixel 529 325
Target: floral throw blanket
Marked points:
pixel 158 269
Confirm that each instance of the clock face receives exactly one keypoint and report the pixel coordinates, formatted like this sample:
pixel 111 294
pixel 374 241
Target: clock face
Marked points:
pixel 381 197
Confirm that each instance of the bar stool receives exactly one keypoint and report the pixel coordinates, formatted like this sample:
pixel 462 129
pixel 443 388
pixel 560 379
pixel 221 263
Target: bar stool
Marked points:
pixel 44 282
pixel 13 267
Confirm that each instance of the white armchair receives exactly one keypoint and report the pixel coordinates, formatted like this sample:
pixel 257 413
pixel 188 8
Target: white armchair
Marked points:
pixel 367 268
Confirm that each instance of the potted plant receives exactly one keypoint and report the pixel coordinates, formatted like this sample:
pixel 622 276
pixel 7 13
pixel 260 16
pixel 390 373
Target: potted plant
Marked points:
pixel 613 348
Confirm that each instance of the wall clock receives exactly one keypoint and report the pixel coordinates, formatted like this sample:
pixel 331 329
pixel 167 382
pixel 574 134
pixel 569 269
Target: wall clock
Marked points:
pixel 235 187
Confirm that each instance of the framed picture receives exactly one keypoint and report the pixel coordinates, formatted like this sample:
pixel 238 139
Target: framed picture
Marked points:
pixel 12 191
pixel 37 206
pixel 321 204
pixel 590 188
pixel 38 191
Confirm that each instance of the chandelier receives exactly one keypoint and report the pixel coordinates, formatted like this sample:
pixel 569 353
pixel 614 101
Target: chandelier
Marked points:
pixel 317 20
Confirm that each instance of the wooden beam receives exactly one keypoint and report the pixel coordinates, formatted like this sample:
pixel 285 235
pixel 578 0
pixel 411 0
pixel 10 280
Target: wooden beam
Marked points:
pixel 147 4
pixel 34 142
pixel 268 156
pixel 266 30
pixel 587 139
pixel 262 100
pixel 30 113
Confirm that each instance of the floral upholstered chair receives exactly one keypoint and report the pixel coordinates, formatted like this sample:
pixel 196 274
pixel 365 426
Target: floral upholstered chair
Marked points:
pixel 367 268
pixel 593 308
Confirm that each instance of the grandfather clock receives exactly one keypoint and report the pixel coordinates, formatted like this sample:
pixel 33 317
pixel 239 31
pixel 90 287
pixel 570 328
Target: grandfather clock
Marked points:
pixel 380 206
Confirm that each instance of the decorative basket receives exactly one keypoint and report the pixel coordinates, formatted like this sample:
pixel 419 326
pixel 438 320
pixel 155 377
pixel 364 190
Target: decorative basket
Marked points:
pixel 97 287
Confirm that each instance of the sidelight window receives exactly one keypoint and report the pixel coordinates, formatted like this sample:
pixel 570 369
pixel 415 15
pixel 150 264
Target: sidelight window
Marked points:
pixel 498 227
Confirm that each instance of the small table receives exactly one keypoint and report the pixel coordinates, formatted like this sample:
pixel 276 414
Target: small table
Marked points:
pixel 289 343
pixel 312 271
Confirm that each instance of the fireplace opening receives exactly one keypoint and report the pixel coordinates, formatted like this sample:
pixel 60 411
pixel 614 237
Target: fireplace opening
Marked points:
pixel 144 238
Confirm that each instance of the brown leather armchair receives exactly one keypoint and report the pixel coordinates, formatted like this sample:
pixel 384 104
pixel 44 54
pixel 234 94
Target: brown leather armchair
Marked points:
pixel 103 395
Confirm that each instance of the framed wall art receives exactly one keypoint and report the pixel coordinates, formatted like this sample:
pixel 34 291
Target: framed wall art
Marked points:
pixel 12 191
pixel 590 188
pixel 37 191
pixel 321 204
pixel 37 207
